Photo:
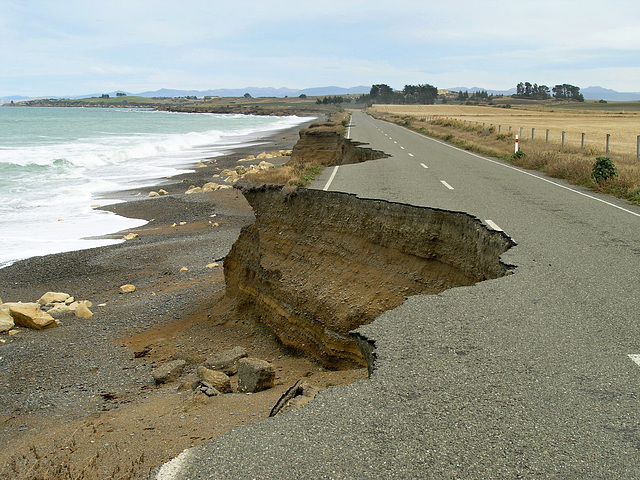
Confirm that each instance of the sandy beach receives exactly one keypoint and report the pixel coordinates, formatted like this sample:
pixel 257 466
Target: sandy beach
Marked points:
pixel 82 397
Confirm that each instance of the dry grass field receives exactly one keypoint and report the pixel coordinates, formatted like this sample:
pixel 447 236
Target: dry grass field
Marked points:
pixel 491 130
pixel 623 126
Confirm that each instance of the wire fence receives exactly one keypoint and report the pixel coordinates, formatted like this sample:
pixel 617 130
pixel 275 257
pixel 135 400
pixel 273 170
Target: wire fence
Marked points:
pixel 572 139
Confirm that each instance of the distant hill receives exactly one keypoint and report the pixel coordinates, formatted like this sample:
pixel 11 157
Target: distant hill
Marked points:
pixel 590 93
pixel 257 92
pixel 599 93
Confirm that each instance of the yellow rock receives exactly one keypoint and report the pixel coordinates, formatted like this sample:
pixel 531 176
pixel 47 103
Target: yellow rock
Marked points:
pixel 131 236
pixel 128 288
pixel 29 315
pixel 213 265
pixel 184 269
pixel 83 310
pixel 53 297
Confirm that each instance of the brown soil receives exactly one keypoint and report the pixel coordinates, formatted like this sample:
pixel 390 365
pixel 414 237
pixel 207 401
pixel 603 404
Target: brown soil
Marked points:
pixel 134 434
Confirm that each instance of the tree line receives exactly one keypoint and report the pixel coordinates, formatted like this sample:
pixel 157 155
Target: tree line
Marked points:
pixel 410 95
pixel 534 91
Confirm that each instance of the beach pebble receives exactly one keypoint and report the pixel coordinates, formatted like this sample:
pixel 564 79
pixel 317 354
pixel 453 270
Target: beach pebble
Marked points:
pixel 213 265
pixel 184 269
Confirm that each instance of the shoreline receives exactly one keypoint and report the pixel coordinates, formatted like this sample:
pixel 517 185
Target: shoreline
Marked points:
pixel 82 385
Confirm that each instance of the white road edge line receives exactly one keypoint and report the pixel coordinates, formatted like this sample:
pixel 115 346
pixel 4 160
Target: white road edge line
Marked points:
pixel 446 184
pixel 635 358
pixel 423 165
pixel 492 224
pixel 530 174
pixel 333 174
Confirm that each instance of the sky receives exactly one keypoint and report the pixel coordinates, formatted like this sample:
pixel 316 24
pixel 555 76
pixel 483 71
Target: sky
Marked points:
pixel 68 47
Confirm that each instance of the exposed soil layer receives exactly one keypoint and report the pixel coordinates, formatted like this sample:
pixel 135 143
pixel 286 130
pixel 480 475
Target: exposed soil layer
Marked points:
pixel 322 144
pixel 316 265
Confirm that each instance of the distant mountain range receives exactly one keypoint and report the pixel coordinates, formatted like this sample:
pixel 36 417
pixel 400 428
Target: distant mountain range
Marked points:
pixel 590 93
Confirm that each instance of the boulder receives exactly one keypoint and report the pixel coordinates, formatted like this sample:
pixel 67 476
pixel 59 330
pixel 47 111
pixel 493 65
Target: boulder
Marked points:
pixel 60 308
pixel 128 288
pixel 29 315
pixel 210 187
pixel 154 194
pixel 193 189
pixel 265 165
pixel 131 236
pixel 6 320
pixel 162 191
pixel 169 372
pixel 212 265
pixel 53 297
pixel 255 375
pixel 218 380
pixel 83 311
pixel 226 361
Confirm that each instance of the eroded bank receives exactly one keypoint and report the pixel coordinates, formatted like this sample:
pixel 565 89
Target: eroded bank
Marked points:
pixel 315 265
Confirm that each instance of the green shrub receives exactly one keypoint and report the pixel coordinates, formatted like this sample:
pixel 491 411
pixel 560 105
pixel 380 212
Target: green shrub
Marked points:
pixel 518 154
pixel 603 168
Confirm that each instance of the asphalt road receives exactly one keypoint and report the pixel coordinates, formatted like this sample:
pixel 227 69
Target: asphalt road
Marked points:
pixel 527 376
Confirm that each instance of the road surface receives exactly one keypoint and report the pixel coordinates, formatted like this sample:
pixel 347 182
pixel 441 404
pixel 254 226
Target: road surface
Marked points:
pixel 533 375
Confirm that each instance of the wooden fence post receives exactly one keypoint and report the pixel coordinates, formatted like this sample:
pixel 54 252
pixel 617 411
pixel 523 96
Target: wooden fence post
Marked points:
pixel 608 137
pixel 582 144
pixel 533 133
pixel 547 138
pixel 638 147
pixel 563 139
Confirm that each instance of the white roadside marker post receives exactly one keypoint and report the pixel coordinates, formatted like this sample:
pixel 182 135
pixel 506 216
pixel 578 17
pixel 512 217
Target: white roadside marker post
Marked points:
pixel 516 144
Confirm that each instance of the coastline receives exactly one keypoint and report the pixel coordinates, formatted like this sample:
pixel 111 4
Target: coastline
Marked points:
pixel 82 385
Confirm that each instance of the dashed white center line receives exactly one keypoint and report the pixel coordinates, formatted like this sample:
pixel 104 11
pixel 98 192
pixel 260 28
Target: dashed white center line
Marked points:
pixel 635 358
pixel 411 154
pixel 423 165
pixel 401 148
pixel 494 226
pixel 446 184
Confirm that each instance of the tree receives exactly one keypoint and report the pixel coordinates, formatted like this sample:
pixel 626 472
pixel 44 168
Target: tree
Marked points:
pixel 302 95
pixel 381 93
pixel 420 94
pixel 567 92
pixel 247 95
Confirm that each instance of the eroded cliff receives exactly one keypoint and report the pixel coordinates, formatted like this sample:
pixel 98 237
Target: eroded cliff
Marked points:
pixel 322 144
pixel 316 265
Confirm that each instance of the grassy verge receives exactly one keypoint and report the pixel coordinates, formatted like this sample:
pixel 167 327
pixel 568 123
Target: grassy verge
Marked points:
pixel 570 164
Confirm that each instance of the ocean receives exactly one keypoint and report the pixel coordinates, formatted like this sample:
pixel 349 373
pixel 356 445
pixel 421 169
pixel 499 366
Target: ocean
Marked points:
pixel 57 163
